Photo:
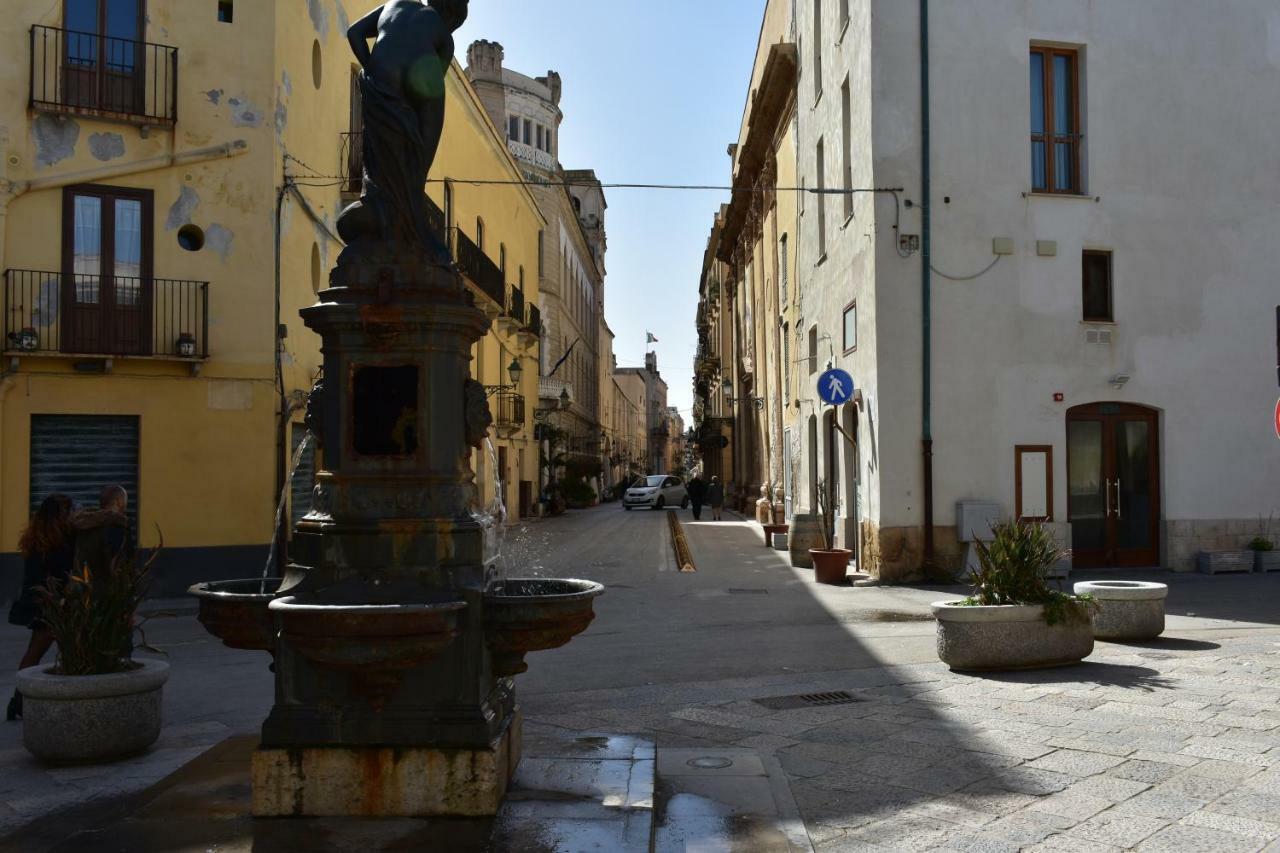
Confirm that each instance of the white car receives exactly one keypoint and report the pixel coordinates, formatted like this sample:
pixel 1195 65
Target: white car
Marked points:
pixel 656 492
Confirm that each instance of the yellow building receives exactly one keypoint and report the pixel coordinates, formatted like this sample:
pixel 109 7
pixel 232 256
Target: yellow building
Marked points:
pixel 168 192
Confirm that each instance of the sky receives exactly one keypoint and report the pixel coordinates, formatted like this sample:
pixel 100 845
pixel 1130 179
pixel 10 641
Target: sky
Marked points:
pixel 654 92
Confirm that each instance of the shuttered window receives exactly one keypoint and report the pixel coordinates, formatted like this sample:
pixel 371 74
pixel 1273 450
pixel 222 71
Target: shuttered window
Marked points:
pixel 79 454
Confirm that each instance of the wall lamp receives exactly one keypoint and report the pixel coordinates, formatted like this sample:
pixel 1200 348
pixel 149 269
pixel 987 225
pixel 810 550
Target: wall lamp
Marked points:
pixel 515 371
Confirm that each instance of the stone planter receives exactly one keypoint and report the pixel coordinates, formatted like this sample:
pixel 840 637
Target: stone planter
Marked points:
pixel 1213 562
pixel 780 542
pixel 73 719
pixel 771 530
pixel 1127 610
pixel 1266 561
pixel 1007 637
pixel 830 566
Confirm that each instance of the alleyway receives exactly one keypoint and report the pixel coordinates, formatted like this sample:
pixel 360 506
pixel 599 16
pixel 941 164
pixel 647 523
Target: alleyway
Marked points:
pixel 1136 749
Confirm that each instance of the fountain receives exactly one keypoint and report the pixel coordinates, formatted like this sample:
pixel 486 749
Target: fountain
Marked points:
pixel 394 638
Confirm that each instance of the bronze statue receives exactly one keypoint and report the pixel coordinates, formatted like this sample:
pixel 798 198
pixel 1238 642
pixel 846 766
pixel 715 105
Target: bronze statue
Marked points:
pixel 402 92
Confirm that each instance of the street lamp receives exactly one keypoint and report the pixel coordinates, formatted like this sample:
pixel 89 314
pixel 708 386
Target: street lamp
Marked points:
pixel 515 371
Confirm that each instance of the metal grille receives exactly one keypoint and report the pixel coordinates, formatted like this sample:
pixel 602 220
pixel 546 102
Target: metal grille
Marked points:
pixel 808 700
pixel 482 272
pixel 79 454
pixel 93 73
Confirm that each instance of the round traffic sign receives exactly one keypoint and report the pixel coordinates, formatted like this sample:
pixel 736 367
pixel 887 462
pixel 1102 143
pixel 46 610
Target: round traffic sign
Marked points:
pixel 835 387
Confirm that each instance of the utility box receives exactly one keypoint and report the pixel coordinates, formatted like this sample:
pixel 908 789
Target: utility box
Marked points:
pixel 974 518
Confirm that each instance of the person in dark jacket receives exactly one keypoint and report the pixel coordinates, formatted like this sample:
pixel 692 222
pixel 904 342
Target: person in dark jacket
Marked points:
pixel 715 497
pixel 47 553
pixel 697 490
pixel 102 535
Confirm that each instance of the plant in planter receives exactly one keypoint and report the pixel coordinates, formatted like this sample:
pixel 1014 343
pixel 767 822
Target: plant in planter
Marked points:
pixel 1015 619
pixel 830 564
pixel 1266 557
pixel 96 702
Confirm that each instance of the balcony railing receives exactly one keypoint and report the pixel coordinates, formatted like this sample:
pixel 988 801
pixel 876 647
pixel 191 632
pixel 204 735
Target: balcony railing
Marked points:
pixel 482 271
pixel 92 73
pixel 510 416
pixel 515 305
pixel 351 161
pixel 50 312
pixel 534 324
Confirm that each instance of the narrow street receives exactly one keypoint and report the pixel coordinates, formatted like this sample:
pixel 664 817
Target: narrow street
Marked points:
pixel 1112 752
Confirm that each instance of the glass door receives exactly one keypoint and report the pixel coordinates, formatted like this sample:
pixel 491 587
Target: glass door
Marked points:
pixel 107 271
pixel 1113 494
pixel 102 54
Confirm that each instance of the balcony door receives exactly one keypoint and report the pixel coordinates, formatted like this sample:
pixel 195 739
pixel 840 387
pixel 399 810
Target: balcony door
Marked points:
pixel 106 270
pixel 103 55
pixel 1113 492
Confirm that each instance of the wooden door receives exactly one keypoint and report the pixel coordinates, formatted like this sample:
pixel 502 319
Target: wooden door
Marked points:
pixel 1113 486
pixel 107 284
pixel 102 55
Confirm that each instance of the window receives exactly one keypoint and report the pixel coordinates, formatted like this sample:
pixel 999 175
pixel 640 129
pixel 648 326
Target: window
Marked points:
pixel 813 350
pixel 226 11
pixel 513 128
pixel 817 49
pixel 1097 287
pixel 846 150
pixel 502 259
pixel 786 366
pixel 1055 120
pixel 851 327
pixel 822 202
pixel 448 205
pixel 541 253
pixel 844 14
pixel 782 271
pixel 480 234
pixel 538 137
pixel 528 132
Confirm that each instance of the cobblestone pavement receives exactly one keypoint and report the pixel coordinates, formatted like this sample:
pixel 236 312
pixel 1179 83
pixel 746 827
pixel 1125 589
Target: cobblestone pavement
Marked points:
pixel 1173 745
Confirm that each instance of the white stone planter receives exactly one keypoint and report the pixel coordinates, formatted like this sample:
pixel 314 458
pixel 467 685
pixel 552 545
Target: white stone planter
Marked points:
pixel 1127 610
pixel 1007 637
pixel 1266 561
pixel 88 718
pixel 1213 562
pixel 780 542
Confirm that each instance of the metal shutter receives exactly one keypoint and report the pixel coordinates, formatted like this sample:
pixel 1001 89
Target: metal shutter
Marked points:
pixel 79 454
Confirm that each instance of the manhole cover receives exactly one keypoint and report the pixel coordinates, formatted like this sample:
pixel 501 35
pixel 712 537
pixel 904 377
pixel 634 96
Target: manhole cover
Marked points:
pixel 748 592
pixel 808 700
pixel 710 763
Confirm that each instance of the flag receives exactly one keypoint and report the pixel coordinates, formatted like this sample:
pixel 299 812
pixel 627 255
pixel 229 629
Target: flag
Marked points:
pixel 563 358
pixel 651 338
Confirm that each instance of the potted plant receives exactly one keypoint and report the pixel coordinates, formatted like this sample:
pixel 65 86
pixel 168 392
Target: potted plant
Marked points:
pixel 830 564
pixel 1266 557
pixel 1015 619
pixel 95 702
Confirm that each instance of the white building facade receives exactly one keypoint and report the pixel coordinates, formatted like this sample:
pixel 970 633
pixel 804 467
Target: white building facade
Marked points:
pixel 1078 318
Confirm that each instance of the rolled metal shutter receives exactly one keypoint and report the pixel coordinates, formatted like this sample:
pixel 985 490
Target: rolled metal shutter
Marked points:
pixel 79 454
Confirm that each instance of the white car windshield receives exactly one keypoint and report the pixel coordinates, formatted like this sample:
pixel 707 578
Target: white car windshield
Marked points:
pixel 655 482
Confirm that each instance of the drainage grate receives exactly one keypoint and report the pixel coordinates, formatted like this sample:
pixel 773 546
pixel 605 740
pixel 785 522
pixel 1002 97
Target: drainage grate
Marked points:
pixel 748 592
pixel 808 700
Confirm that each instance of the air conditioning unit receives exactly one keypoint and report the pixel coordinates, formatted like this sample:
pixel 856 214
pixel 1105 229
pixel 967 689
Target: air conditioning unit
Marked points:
pixel 974 519
pixel 1098 336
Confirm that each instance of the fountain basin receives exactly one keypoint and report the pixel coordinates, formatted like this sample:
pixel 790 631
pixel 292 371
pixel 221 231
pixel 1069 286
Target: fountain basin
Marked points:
pixel 236 612
pixel 525 615
pixel 359 637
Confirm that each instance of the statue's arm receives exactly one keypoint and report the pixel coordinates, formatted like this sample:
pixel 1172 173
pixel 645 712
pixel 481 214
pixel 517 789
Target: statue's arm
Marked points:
pixel 361 31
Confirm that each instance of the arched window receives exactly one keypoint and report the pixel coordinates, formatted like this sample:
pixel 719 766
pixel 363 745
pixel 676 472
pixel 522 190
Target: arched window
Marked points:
pixel 522 276
pixel 479 233
pixel 448 205
pixel 502 260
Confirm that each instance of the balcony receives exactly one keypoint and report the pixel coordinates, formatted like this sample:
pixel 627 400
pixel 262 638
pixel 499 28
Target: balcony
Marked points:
pixel 531 331
pixel 509 419
pixel 513 317
pixel 93 74
pixel 49 313
pixel 482 272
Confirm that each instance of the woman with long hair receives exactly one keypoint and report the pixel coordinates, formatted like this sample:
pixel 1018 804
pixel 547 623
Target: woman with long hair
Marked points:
pixel 47 552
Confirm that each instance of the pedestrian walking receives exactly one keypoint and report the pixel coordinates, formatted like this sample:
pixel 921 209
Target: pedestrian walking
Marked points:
pixel 102 535
pixel 715 497
pixel 47 553
pixel 697 490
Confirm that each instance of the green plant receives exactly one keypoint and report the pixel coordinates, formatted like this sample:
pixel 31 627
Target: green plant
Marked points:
pixel 1012 570
pixel 1264 542
pixel 827 514
pixel 93 618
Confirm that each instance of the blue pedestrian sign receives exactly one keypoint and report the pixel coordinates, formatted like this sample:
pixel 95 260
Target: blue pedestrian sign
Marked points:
pixel 835 387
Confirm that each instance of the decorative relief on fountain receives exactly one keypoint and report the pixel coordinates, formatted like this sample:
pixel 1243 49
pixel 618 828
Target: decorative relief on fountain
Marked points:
pixel 478 416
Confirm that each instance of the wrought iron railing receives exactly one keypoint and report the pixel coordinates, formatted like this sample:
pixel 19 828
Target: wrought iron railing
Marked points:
pixel 534 323
pixel 515 305
pixel 511 414
pixel 51 312
pixel 92 73
pixel 482 271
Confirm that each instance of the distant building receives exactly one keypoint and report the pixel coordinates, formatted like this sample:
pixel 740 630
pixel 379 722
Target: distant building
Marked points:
pixel 647 384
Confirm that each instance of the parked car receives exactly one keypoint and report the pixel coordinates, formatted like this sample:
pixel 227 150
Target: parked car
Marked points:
pixel 656 492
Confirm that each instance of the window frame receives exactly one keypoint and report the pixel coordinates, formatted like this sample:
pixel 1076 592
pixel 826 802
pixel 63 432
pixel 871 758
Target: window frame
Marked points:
pixel 820 165
pixel 844 327
pixel 817 51
pixel 1084 285
pixel 1047 137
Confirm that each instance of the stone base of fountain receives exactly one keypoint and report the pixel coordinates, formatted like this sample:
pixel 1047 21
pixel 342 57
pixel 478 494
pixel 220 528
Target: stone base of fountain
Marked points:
pixel 384 782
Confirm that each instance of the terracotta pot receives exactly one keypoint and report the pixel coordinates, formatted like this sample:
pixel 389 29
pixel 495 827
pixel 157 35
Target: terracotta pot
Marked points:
pixel 830 566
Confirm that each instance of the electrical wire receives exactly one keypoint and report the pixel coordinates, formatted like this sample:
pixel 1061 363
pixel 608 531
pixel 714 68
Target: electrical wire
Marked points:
pixel 336 180
pixel 988 269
